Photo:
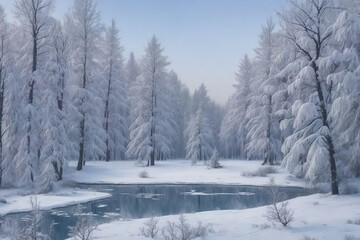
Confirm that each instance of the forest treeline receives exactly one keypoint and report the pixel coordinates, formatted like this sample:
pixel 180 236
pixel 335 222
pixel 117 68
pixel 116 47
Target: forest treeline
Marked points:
pixel 68 93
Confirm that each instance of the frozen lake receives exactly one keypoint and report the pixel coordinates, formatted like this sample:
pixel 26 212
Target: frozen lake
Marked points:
pixel 139 201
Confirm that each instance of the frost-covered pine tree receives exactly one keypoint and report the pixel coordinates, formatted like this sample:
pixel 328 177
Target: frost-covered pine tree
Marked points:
pixel 179 99
pixel 4 73
pixel 132 72
pixel 116 100
pixel 54 132
pixel 34 16
pixel 263 128
pixel 200 137
pixel 85 32
pixel 343 67
pixel 147 132
pixel 214 160
pixel 234 132
pixel 310 149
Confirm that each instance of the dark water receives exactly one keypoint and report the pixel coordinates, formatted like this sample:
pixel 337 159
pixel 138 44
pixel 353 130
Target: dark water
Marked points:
pixel 138 201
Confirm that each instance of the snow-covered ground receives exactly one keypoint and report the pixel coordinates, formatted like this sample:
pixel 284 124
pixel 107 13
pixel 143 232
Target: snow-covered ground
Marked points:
pixel 317 216
pixel 17 201
pixel 179 172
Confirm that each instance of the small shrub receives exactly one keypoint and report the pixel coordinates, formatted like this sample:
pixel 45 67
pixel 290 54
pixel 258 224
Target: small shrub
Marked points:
pixel 262 171
pixel 348 189
pixel 144 174
pixel 305 237
pixel 279 210
pixel 351 237
pixel 262 226
pixel 150 230
pixel 183 231
pixel 169 232
pixel 214 160
pixel 356 221
pixel 85 226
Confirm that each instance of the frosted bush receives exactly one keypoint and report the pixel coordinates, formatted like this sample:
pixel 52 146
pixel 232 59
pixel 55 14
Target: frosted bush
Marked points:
pixel 214 160
pixel 305 237
pixel 262 171
pixel 144 174
pixel 356 221
pixel 351 237
pixel 279 210
pixel 183 230
pixel 85 226
pixel 150 230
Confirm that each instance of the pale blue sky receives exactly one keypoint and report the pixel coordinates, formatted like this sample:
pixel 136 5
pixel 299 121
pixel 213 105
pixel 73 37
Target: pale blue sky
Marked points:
pixel 204 39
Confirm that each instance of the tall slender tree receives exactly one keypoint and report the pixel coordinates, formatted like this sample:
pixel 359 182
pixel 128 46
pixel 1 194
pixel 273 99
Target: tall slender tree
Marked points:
pixel 4 51
pixel 116 101
pixel 305 25
pixel 54 133
pixel 34 15
pixel 146 132
pixel 200 138
pixel 263 128
pixel 85 36
pixel 234 130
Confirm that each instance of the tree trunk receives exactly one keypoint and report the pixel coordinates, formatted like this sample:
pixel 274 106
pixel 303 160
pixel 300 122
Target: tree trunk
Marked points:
pixel 268 153
pixel 81 145
pixel 153 106
pixel 329 140
pixel 106 114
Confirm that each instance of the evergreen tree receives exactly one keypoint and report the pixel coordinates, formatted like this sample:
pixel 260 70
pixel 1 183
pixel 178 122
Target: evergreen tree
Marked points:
pixel 85 34
pixel 4 72
pixel 55 151
pixel 147 139
pixel 200 138
pixel 34 15
pixel 305 25
pixel 263 129
pixel 234 126
pixel 116 101
pixel 343 67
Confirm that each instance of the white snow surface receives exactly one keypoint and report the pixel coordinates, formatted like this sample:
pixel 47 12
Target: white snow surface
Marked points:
pixel 18 201
pixel 316 216
pixel 180 172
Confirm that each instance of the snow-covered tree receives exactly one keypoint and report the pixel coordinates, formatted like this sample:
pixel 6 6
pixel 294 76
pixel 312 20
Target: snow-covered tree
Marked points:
pixel 148 139
pixel 34 16
pixel 263 128
pixel 200 137
pixel 4 51
pixel 214 160
pixel 311 147
pixel 132 70
pixel 343 67
pixel 85 34
pixel 55 150
pixel 179 100
pixel 116 101
pixel 234 132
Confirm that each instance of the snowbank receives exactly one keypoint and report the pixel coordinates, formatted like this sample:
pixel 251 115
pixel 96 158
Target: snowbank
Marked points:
pixel 179 172
pixel 17 201
pixel 317 217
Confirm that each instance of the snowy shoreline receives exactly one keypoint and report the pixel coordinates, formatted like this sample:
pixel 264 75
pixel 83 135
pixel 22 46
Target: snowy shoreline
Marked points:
pixel 180 172
pixel 16 202
pixel 317 216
